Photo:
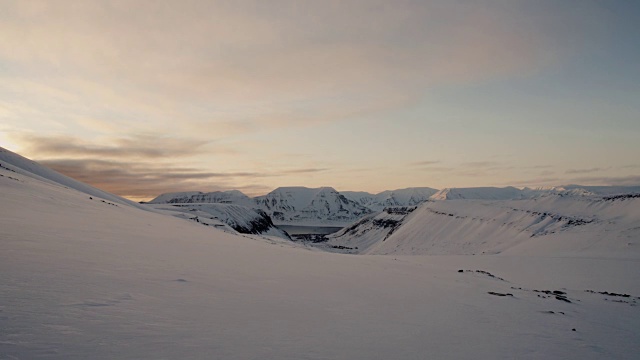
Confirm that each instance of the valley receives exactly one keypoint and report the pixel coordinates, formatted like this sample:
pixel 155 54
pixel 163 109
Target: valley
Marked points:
pixel 87 274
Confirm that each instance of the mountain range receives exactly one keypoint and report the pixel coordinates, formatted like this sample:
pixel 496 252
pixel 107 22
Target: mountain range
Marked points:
pixel 329 207
pixel 88 274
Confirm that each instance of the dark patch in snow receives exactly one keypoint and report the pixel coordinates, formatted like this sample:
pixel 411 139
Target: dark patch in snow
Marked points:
pixel 628 299
pixel 484 273
pixel 608 293
pixel 6 168
pixel 404 210
pixel 313 238
pixel 559 295
pixel 621 197
pixel 385 223
pixel 109 203
pixel 9 177
pixel 340 247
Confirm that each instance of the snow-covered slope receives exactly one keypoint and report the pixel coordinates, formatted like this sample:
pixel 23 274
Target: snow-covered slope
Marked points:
pixel 220 197
pixel 300 205
pixel 603 190
pixel 512 193
pixel 361 197
pixel 285 205
pixel 482 193
pixel 358 237
pixel 400 197
pixel 239 218
pixel 13 162
pixel 85 279
pixel 558 224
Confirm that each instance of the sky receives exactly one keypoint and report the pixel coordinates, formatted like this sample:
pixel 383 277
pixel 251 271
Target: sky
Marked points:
pixel 145 97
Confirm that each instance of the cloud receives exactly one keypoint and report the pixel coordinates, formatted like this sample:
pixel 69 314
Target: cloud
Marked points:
pixel 425 163
pixel 219 77
pixel 540 181
pixel 482 168
pixel 481 164
pixel 215 62
pixel 585 171
pixel 140 181
pixel 441 169
pixel 631 180
pixel 305 171
pixel 136 146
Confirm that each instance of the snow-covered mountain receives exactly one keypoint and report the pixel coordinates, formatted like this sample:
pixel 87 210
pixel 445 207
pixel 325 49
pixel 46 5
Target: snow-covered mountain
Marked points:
pixel 599 190
pixel 513 193
pixel 88 277
pixel 228 217
pixel 285 205
pixel 358 237
pixel 483 193
pixel 393 198
pixel 326 206
pixel 191 197
pixel 301 205
pixel 559 223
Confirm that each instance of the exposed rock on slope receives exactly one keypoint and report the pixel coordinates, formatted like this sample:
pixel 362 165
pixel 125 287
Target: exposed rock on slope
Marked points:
pixel 360 236
pixel 300 205
pixel 226 217
pixel 554 223
pixel 221 197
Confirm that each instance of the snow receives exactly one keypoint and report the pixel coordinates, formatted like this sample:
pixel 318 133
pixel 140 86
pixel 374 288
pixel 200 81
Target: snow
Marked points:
pixel 298 205
pixel 228 217
pixel 285 205
pixel 485 193
pixel 13 162
pixel 513 193
pixel 189 197
pixel 552 224
pixel 85 279
pixel 358 237
pixel 400 197
pixel 604 190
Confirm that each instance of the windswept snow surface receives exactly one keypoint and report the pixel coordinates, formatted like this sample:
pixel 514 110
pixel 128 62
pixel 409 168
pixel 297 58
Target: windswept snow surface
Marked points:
pixel 85 279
